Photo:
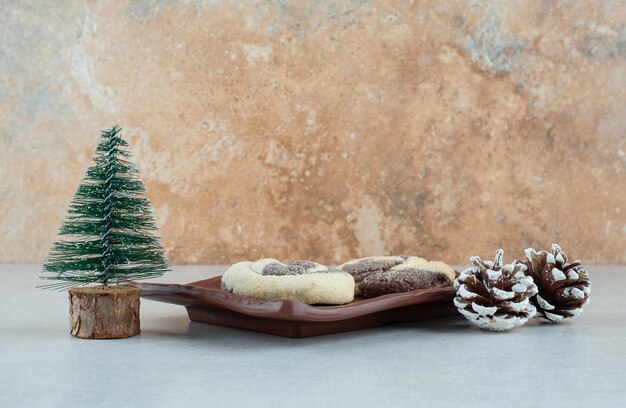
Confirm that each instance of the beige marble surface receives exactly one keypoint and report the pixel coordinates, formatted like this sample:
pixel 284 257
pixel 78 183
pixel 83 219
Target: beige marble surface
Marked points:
pixel 324 129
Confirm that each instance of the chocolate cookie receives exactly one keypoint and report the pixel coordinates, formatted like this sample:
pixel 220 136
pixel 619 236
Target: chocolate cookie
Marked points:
pixel 376 276
pixel 401 280
pixel 361 268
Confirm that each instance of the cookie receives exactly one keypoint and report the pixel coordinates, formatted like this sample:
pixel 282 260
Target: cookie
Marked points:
pixel 305 281
pixel 363 267
pixel 376 276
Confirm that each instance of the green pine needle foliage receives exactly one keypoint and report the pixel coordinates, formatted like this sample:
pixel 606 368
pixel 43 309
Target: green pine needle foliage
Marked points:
pixel 109 232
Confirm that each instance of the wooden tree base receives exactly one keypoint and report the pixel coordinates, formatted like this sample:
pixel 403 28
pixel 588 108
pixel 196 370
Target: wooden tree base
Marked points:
pixel 104 312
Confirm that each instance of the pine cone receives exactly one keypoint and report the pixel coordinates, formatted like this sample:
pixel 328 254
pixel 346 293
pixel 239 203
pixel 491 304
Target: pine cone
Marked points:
pixel 563 287
pixel 493 296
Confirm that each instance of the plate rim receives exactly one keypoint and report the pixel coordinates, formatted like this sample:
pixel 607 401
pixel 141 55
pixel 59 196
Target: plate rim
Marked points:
pixel 193 295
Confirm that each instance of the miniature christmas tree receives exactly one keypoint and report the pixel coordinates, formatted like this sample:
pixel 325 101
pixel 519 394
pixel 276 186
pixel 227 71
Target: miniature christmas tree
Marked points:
pixel 108 234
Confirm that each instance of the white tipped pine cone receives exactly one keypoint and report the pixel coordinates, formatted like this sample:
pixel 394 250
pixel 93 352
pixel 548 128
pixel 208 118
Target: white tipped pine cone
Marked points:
pixel 563 287
pixel 495 297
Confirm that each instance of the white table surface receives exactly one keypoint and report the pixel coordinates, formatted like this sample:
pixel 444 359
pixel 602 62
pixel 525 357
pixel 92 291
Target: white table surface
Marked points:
pixel 440 363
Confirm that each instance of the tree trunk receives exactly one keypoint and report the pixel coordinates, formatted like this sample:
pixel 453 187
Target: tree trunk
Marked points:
pixel 104 312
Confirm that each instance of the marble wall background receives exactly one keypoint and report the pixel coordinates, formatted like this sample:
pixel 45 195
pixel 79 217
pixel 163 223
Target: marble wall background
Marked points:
pixel 324 129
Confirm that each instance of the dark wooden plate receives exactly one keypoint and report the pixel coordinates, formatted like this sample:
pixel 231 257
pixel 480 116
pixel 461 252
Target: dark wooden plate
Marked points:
pixel 207 303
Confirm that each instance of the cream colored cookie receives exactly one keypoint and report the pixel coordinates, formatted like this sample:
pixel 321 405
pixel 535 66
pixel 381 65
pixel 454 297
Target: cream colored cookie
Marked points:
pixel 415 262
pixel 305 281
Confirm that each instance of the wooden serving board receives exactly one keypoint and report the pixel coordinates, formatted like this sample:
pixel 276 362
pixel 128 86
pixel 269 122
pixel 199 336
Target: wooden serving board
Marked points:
pixel 206 302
